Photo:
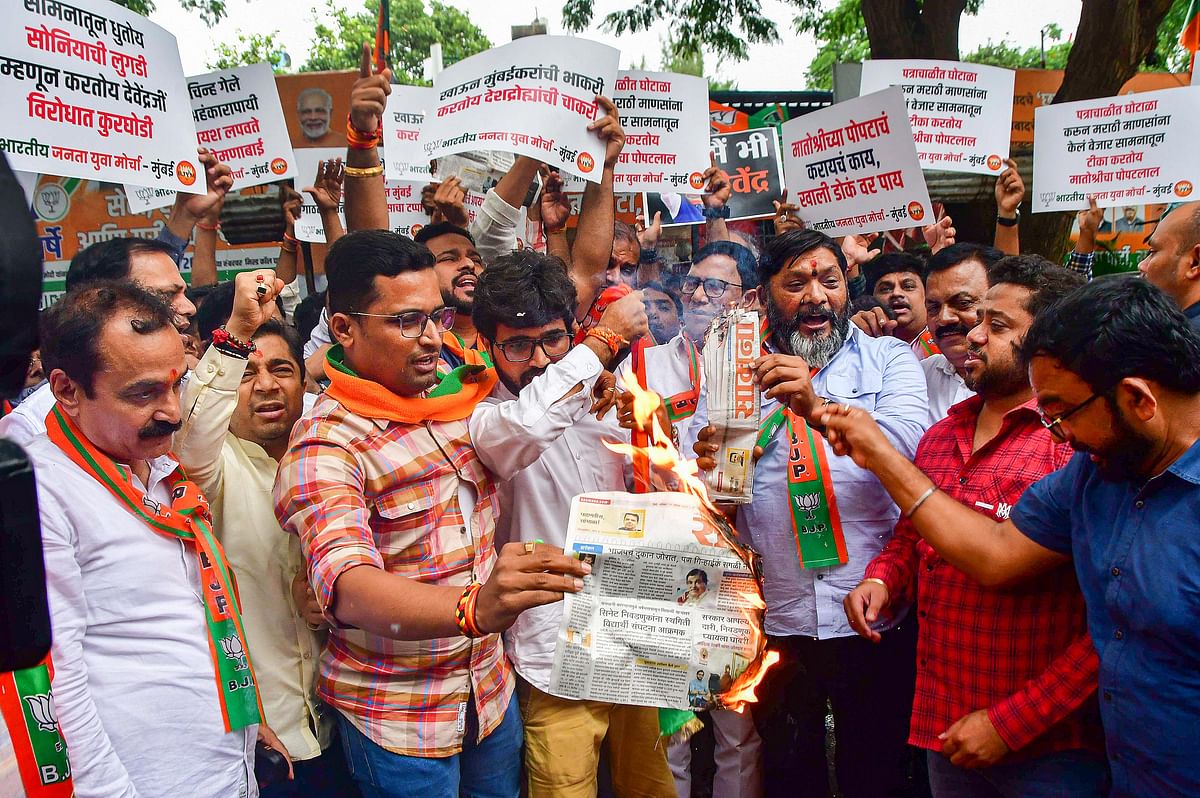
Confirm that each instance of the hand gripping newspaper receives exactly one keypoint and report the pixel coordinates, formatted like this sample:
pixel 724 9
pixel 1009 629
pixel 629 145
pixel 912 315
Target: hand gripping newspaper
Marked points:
pixel 730 346
pixel 671 615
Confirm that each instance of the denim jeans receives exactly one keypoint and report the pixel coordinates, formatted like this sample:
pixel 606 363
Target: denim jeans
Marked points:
pixel 1062 774
pixel 325 776
pixel 490 768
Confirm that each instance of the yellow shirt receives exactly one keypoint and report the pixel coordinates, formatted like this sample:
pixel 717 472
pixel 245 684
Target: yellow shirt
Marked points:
pixel 238 478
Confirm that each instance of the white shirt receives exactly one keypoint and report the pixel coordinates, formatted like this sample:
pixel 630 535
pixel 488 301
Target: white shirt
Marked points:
pixel 28 419
pixel 668 373
pixel 238 478
pixel 946 388
pixel 543 452
pixel 134 688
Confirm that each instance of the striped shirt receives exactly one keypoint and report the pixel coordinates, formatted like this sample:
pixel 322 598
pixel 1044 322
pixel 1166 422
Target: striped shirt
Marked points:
pixel 363 491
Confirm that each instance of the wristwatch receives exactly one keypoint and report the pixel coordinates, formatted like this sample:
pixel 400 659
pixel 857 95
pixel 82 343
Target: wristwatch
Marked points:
pixel 1013 222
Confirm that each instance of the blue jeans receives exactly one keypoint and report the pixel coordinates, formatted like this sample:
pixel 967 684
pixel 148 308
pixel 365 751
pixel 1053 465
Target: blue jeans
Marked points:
pixel 325 776
pixel 1062 774
pixel 490 768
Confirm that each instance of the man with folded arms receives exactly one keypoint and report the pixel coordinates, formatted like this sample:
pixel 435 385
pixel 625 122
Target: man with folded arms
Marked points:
pixel 1115 367
pixel 1006 679
pixel 396 517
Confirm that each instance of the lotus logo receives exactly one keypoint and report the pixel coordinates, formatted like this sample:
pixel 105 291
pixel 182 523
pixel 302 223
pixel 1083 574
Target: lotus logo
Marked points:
pixel 809 503
pixel 278 166
pixel 915 211
pixel 232 646
pixel 185 172
pixel 41 706
pixel 585 162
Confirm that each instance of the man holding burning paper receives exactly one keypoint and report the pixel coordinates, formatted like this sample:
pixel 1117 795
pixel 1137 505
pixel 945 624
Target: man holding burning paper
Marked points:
pixel 818 519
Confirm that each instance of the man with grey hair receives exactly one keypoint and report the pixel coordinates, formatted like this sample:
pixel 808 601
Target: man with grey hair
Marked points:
pixel 314 109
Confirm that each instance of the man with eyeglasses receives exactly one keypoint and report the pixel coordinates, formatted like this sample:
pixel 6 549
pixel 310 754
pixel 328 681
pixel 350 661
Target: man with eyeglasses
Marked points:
pixel 536 435
pixel 1115 369
pixel 396 517
pixel 1173 262
pixel 1006 679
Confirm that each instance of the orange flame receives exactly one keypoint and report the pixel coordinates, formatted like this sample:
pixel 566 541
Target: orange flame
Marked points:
pixel 664 456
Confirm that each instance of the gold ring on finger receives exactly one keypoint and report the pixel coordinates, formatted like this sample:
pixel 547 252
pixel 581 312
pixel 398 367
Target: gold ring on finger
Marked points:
pixel 529 547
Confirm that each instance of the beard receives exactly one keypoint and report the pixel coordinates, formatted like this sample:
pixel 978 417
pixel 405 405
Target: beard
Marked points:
pixel 1000 379
pixel 817 350
pixel 1121 460
pixel 515 385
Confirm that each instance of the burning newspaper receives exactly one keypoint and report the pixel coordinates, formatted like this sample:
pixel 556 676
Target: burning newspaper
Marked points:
pixel 671 615
pixel 730 346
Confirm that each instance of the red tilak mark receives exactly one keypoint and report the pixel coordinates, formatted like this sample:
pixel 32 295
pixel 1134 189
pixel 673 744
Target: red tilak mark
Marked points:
pixel 258 278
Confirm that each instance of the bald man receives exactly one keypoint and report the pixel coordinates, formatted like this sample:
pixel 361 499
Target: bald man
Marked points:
pixel 1173 263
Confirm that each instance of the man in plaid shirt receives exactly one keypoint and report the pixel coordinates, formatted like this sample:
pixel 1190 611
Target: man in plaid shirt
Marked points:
pixel 396 517
pixel 1006 679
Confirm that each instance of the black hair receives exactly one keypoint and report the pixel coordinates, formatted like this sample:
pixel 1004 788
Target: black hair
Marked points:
pixel 523 289
pixel 71 329
pixel 783 249
pixel 356 259
pixel 109 260
pixel 955 254
pixel 662 289
pixel 197 293
pixel 869 302
pixel 1115 327
pixel 1047 281
pixel 307 314
pixel 623 231
pixel 215 310
pixel 289 335
pixel 431 231
pixel 700 572
pixel 892 263
pixel 747 264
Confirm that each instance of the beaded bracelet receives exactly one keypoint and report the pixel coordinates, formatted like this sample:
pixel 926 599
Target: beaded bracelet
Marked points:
pixel 464 612
pixel 231 345
pixel 608 337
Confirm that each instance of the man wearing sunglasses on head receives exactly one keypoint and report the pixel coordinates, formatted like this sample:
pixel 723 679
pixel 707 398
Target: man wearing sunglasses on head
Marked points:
pixel 1115 370
pixel 536 435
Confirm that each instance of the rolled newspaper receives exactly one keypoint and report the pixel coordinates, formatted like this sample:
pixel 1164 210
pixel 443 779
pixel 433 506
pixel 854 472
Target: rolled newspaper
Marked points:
pixel 730 346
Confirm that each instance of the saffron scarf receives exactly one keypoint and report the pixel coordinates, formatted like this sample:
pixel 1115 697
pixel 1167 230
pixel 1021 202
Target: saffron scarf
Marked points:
pixel 452 399
pixel 927 344
pixel 189 520
pixel 816 523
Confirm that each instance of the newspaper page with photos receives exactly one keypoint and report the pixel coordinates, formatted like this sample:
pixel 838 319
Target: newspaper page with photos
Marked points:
pixel 730 346
pixel 669 616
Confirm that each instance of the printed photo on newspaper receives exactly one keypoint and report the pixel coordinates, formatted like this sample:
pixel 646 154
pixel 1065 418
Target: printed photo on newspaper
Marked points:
pixel 730 346
pixel 671 615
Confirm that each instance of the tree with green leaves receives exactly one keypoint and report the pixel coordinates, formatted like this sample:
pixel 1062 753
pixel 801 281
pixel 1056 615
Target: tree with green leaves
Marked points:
pixel 338 43
pixel 211 11
pixel 254 48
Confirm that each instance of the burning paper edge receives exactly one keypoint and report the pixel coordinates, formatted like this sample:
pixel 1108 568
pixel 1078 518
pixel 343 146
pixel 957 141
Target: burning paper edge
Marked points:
pixel 663 454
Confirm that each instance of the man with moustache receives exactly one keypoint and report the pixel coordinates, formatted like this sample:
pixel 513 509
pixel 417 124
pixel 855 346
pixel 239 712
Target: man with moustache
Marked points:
pixel 664 311
pixel 241 403
pixel 896 279
pixel 1006 679
pixel 314 107
pixel 535 434
pixel 396 517
pixel 152 684
pixel 813 355
pixel 1123 512
pixel 457 264
pixel 956 281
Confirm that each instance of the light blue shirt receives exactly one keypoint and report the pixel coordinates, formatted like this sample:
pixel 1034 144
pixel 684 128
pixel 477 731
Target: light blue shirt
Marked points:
pixel 882 376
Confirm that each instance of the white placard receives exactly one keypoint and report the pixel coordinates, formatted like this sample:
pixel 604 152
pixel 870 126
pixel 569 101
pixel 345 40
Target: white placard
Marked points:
pixel 93 90
pixel 852 167
pixel 238 117
pixel 535 97
pixel 960 113
pixel 665 117
pixel 406 109
pixel 1133 149
pixel 308 226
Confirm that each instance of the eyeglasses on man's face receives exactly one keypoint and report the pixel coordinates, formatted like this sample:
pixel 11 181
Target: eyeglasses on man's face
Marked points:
pixel 713 287
pixel 519 350
pixel 1055 424
pixel 412 322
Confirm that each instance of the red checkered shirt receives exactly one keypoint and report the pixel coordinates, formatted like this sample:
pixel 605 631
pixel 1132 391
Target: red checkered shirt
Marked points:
pixel 1021 653
pixel 363 491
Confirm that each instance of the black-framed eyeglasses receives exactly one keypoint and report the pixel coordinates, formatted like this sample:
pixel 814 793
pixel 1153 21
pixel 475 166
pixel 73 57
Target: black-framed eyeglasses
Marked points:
pixel 1055 424
pixel 519 350
pixel 713 287
pixel 412 322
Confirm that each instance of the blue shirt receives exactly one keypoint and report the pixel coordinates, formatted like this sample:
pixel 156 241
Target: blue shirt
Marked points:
pixel 1137 556
pixel 882 376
